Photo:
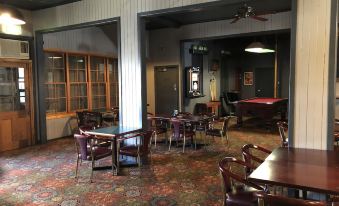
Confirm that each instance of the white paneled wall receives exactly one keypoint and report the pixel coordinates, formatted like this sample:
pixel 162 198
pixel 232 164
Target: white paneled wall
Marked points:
pixel 311 73
pixel 89 40
pixel 93 10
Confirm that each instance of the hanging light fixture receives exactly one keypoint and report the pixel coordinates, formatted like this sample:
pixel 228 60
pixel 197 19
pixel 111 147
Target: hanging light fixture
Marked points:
pixel 11 16
pixel 258 47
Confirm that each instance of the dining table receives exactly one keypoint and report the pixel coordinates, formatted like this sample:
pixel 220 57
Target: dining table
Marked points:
pixel 304 169
pixel 112 134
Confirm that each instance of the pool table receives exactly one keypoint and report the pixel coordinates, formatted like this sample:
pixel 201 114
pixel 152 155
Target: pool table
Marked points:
pixel 265 108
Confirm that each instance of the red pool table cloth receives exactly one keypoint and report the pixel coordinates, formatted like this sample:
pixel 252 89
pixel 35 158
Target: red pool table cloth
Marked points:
pixel 265 108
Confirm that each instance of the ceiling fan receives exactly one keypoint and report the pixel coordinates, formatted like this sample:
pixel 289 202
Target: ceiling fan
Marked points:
pixel 248 11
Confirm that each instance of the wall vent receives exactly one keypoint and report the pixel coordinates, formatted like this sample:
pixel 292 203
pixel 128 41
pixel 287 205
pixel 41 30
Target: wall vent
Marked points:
pixel 14 49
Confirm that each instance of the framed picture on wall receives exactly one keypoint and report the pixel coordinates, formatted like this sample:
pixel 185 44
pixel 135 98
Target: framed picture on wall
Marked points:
pixel 248 78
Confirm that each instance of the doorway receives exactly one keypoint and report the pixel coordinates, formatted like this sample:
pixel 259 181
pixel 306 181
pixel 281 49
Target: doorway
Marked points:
pixel 166 89
pixel 264 82
pixel 16 116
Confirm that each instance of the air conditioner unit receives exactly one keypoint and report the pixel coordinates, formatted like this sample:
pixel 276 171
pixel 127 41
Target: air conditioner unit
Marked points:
pixel 14 49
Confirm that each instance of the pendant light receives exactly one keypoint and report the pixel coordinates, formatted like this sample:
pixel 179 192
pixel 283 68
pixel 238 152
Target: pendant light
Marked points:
pixel 258 47
pixel 11 16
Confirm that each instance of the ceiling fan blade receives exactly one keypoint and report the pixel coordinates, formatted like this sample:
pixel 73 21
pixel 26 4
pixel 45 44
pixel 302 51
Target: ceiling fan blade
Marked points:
pixel 235 20
pixel 265 13
pixel 259 18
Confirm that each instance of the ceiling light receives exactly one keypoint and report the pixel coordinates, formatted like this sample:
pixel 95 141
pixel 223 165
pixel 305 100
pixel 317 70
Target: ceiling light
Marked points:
pixel 258 47
pixel 54 57
pixel 10 15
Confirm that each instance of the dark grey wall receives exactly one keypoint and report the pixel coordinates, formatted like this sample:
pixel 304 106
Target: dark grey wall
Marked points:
pixel 240 62
pixel 248 63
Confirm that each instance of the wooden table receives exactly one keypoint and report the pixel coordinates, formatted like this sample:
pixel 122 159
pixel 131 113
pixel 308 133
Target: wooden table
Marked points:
pixel 214 105
pixel 112 134
pixel 305 169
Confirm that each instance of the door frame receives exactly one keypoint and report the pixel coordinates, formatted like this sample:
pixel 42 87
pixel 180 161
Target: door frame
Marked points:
pixel 27 64
pixel 155 88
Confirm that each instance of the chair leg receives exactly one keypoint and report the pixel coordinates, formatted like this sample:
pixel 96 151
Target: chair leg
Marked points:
pixel 151 160
pixel 183 146
pixel 93 164
pixel 170 143
pixel 77 167
pixel 155 139
pixel 139 161
pixel 195 142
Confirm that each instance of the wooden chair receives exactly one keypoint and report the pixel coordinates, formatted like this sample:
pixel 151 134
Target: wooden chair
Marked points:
pixel 200 109
pixel 250 158
pixel 237 190
pixel 89 120
pixel 181 132
pixel 223 132
pixel 88 150
pixel 276 200
pixel 283 128
pixel 158 126
pixel 336 133
pixel 141 148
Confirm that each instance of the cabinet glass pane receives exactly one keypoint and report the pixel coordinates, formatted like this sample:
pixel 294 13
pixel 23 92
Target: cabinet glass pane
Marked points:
pixel 12 84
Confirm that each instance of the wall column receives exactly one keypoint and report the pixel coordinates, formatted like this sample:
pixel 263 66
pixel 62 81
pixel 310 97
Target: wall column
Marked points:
pixel 314 69
pixel 130 67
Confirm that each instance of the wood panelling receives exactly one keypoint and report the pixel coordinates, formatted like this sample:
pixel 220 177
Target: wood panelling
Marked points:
pixel 311 74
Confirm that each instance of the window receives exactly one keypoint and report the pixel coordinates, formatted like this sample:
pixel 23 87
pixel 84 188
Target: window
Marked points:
pixel 98 83
pixel 76 82
pixel 55 83
pixel 112 66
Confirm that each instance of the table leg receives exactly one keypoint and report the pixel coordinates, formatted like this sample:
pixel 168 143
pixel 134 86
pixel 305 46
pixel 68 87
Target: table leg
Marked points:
pixel 114 158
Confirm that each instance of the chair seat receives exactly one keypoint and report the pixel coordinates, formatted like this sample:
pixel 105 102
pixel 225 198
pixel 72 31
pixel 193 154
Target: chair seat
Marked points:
pixel 161 130
pixel 98 153
pixel 336 136
pixel 213 132
pixel 130 151
pixel 241 199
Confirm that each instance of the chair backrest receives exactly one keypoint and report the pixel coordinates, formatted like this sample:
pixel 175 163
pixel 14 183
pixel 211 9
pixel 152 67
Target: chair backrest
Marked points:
pixel 176 123
pixel 184 113
pixel 283 128
pixel 146 141
pixel 81 142
pixel 231 97
pixel 252 159
pixel 225 124
pixel 200 109
pixel 229 177
pixel 269 200
pixel 89 119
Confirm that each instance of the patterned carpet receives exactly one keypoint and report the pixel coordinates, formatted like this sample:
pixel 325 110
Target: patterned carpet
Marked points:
pixel 44 175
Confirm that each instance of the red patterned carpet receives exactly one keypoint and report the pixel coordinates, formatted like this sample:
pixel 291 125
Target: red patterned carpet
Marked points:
pixel 44 175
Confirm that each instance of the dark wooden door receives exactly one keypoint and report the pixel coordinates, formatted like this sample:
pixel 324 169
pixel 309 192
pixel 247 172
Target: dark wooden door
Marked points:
pixel 264 82
pixel 166 89
pixel 16 118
